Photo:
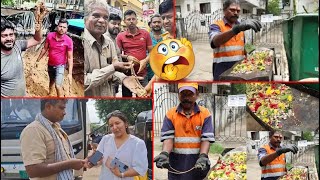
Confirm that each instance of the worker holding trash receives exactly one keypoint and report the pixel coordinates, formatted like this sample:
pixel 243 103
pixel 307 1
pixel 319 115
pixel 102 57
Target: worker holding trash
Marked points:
pixel 186 134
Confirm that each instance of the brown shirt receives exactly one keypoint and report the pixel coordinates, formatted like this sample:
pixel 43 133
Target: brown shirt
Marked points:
pixel 99 71
pixel 37 146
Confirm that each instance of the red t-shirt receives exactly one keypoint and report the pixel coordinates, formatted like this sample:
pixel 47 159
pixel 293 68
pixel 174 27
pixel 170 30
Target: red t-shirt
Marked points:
pixel 135 46
pixel 58 49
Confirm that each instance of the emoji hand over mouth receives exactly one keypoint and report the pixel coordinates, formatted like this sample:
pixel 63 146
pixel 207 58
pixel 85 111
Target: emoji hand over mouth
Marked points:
pixel 172 59
pixel 170 72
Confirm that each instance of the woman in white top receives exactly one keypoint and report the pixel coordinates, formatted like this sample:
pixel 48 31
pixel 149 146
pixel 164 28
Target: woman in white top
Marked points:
pixel 129 149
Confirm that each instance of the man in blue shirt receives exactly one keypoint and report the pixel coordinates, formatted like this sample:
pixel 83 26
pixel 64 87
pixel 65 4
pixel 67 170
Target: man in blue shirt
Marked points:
pixel 155 34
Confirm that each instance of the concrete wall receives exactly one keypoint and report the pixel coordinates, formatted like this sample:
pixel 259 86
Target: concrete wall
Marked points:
pixel 215 5
pixel 195 5
pixel 310 5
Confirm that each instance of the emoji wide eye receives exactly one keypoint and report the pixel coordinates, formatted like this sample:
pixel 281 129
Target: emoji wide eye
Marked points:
pixel 174 46
pixel 163 49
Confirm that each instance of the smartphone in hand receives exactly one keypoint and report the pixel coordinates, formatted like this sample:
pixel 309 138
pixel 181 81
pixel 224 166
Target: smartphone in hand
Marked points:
pixel 122 167
pixel 95 158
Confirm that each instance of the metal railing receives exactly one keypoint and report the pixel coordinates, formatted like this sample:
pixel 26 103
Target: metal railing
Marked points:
pixel 195 27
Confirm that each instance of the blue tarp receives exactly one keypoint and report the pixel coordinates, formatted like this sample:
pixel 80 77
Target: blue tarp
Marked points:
pixel 76 23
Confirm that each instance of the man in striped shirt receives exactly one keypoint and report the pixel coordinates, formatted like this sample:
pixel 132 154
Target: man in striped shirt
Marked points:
pixel 186 134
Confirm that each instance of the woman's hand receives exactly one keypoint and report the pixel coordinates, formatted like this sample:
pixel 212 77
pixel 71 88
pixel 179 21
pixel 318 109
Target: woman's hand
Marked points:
pixel 115 170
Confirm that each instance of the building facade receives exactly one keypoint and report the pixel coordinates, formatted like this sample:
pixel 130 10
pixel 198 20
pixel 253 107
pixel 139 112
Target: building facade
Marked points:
pixel 185 7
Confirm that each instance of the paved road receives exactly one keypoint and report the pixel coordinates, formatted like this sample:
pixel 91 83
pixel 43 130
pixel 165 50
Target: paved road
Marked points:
pixel 92 174
pixel 203 62
pixel 253 169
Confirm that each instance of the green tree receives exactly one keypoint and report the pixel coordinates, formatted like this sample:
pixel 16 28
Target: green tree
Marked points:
pixel 238 88
pixel 273 7
pixel 98 128
pixel 129 107
pixel 7 2
pixel 307 135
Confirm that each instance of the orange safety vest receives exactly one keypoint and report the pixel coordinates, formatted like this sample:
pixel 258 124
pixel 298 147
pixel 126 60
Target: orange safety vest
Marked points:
pixel 187 134
pixel 275 168
pixel 232 50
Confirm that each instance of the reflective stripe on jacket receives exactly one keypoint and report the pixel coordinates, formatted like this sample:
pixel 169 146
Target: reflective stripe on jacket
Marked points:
pixel 189 133
pixel 232 50
pixel 275 168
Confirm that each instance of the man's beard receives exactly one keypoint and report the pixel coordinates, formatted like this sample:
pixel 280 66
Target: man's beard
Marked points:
pixel 156 29
pixel 114 31
pixel 7 48
pixel 60 32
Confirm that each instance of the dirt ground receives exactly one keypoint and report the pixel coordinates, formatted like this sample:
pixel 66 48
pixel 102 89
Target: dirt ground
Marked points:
pixel 37 79
pixel 92 174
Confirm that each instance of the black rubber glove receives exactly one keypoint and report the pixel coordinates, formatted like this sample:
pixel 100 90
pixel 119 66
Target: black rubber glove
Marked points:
pixel 291 147
pixel 162 160
pixel 203 162
pixel 247 24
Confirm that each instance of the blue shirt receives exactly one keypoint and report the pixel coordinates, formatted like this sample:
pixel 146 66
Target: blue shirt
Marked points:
pixel 154 43
pixel 153 39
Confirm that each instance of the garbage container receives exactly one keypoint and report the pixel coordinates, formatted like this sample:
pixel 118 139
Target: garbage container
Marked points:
pixel 305 44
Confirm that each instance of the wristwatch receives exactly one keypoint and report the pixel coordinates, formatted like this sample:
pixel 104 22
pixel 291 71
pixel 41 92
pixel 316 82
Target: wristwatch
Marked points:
pixel 122 175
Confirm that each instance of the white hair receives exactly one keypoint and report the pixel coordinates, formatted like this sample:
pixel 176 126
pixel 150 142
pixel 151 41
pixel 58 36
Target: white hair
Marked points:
pixel 92 4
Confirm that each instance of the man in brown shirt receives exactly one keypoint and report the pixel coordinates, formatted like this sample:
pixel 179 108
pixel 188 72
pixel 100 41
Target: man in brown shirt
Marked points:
pixel 101 63
pixel 45 148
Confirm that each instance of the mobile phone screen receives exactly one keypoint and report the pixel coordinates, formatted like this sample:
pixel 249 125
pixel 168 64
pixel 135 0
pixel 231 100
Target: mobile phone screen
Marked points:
pixel 95 157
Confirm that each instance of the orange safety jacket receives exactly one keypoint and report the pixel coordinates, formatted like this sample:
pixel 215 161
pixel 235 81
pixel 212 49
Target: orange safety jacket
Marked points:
pixel 232 50
pixel 188 133
pixel 275 168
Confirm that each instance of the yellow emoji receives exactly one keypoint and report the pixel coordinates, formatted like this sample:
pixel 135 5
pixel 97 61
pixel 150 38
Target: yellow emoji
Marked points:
pixel 172 59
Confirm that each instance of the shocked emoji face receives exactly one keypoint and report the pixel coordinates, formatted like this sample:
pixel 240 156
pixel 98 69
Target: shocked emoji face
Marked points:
pixel 172 59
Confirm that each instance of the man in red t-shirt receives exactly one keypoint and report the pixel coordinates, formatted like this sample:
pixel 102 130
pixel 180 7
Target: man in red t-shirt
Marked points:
pixel 60 48
pixel 135 43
